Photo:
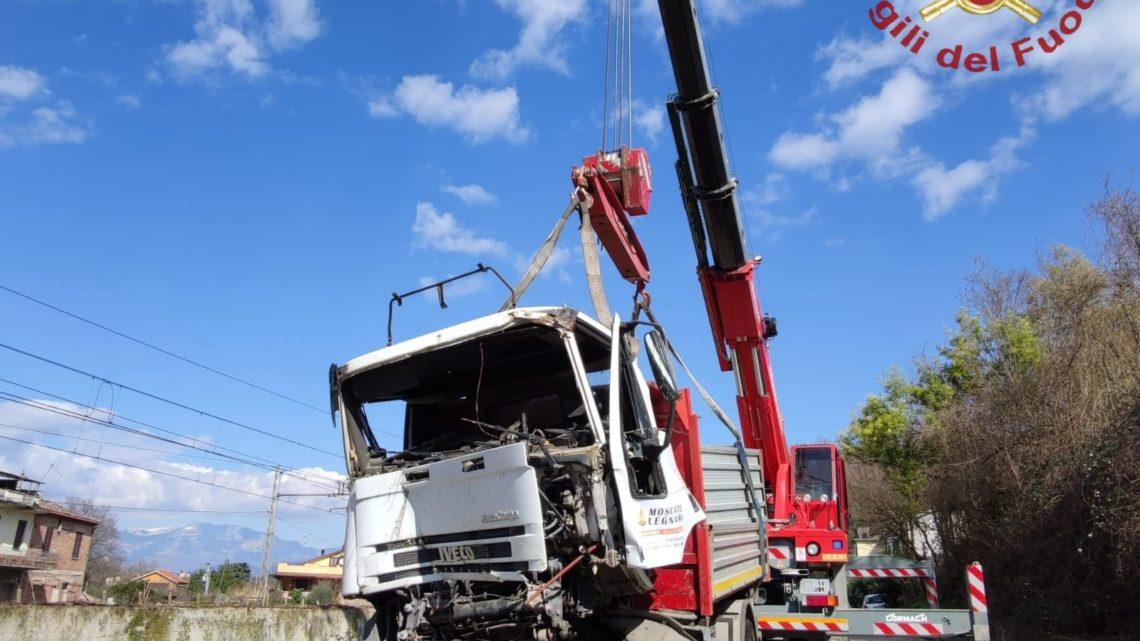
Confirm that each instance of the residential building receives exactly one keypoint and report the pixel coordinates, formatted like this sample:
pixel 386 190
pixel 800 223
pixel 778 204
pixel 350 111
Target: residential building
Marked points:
pixel 19 498
pixel 306 575
pixel 166 584
pixel 44 547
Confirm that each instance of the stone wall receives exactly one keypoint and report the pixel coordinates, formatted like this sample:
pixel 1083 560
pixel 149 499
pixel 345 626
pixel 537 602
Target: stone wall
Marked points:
pixel 113 623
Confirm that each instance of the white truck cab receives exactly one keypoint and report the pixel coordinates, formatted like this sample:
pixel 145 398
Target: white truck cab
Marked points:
pixel 528 445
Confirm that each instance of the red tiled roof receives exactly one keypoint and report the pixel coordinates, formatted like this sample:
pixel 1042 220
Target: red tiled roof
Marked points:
pixel 55 509
pixel 168 575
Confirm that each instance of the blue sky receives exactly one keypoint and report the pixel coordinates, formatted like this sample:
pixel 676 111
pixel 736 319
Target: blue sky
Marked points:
pixel 245 182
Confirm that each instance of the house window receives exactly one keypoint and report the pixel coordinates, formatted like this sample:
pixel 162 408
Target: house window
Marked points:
pixel 21 527
pixel 75 549
pixel 48 533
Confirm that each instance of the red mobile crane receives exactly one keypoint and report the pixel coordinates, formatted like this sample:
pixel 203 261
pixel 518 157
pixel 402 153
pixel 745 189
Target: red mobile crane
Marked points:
pixel 805 488
pixel 482 527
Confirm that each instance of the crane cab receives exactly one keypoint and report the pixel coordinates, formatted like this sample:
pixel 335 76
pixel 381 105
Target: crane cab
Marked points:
pixel 820 503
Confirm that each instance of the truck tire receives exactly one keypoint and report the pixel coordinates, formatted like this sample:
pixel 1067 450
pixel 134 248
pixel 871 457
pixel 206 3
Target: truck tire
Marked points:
pixel 737 622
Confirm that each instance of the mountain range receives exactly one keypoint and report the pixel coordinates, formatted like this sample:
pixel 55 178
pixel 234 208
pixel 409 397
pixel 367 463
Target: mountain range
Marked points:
pixel 191 547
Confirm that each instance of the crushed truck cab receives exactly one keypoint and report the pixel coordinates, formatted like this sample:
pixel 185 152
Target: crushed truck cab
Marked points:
pixel 532 487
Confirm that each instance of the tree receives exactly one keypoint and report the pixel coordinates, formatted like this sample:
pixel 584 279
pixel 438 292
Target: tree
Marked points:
pixel 105 559
pixel 223 579
pixel 1021 437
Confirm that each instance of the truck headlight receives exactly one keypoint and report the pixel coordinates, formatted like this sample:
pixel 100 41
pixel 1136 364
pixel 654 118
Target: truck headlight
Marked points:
pixel 813 549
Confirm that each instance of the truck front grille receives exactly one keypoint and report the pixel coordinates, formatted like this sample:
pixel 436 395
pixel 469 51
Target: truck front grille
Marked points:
pixel 454 569
pixel 431 555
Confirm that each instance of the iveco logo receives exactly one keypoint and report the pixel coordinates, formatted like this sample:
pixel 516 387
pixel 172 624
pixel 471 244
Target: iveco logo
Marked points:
pixel 501 515
pixel 457 553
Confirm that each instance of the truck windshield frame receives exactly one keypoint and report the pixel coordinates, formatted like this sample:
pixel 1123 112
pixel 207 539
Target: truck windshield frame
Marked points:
pixel 471 392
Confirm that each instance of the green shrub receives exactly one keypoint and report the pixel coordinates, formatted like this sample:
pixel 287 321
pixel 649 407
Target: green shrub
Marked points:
pixel 323 594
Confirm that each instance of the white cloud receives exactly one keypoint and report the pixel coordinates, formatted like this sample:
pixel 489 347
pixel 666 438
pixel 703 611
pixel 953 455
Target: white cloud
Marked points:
pixel 772 190
pixel 54 125
pixel 871 129
pixel 382 107
pixel 18 83
pixel 943 189
pixel 650 119
pixel 541 42
pixel 773 225
pixel 1096 68
pixel 804 151
pixel 457 289
pixel 479 114
pixel 73 472
pixel 470 194
pixel 853 59
pixel 443 232
pixel 293 22
pixel 130 100
pixel 30 116
pixel 768 219
pixel 232 35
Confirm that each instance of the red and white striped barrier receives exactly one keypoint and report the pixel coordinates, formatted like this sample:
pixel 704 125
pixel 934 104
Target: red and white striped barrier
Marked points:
pixel 976 586
pixel 931 592
pixel 908 629
pixel 802 624
pixel 916 573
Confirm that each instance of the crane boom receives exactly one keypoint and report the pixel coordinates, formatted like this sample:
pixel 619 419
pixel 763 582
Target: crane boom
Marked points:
pixel 740 330
pixel 808 503
pixel 696 101
pixel 805 486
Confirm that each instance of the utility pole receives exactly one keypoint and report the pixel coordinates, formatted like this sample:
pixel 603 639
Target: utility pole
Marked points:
pixel 267 549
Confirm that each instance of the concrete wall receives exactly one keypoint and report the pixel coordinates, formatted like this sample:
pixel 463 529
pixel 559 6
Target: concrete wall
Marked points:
pixel 37 623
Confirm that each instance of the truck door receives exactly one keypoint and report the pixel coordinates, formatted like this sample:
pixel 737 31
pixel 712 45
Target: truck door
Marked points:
pixel 656 523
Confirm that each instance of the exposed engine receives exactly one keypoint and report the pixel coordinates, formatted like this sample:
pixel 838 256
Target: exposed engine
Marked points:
pixel 500 518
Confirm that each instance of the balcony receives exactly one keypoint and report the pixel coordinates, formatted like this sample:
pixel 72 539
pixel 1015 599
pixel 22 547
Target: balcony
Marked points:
pixel 17 498
pixel 30 560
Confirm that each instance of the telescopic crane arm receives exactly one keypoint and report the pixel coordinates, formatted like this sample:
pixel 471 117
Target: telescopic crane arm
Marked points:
pixel 726 271
pixel 615 185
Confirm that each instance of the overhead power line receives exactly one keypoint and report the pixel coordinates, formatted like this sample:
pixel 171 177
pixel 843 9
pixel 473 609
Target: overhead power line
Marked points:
pixel 309 534
pixel 161 350
pixel 127 508
pixel 106 443
pixel 257 430
pixel 195 444
pixel 159 472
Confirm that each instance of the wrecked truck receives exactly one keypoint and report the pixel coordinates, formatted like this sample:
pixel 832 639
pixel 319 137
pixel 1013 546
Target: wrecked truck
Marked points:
pixel 535 492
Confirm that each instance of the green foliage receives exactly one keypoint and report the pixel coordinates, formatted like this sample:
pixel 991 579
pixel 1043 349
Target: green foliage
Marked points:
pixel 127 592
pixel 297 596
pixel 223 579
pixel 1018 443
pixel 884 431
pixel 888 429
pixel 323 594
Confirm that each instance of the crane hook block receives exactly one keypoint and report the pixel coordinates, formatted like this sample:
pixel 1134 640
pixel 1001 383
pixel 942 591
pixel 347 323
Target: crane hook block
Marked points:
pixel 628 174
pixel 619 184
